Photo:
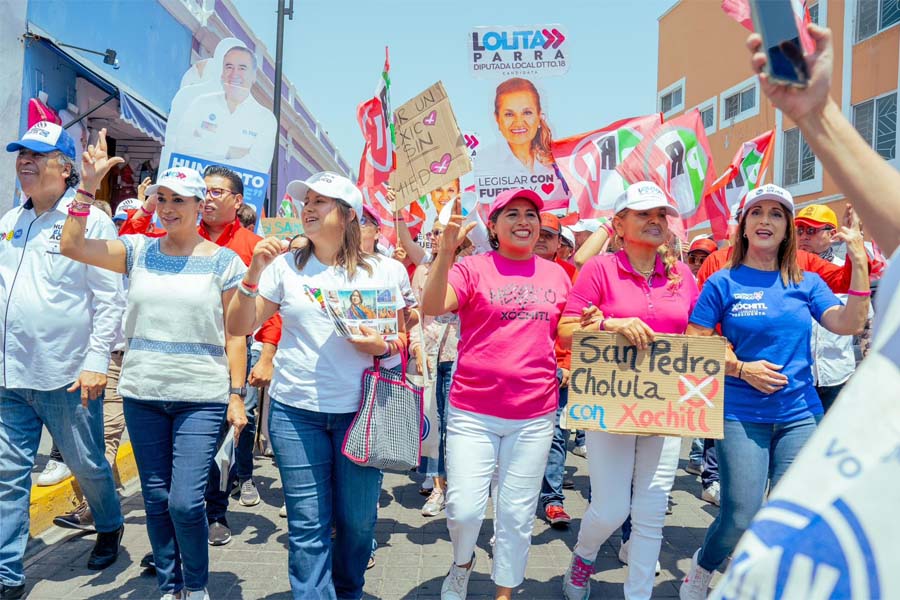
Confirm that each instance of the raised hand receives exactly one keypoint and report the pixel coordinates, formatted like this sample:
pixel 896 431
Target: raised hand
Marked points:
pixel 455 232
pixel 96 163
pixel 264 254
pixel 851 234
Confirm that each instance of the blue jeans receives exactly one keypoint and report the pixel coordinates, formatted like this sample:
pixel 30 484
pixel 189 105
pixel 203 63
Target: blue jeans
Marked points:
pixel 434 467
pixel 579 437
pixel 751 456
pixel 710 462
pixel 242 469
pixel 174 444
pixel 551 486
pixel 322 487
pixel 78 432
pixel 696 454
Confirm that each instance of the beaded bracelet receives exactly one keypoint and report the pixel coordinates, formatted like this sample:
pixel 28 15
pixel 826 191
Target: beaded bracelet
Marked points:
pixel 248 293
pixel 85 193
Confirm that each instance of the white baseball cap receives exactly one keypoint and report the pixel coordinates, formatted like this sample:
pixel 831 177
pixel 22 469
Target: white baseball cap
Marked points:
pixel 124 206
pixel 566 234
pixel 181 180
pixel 591 225
pixel 644 195
pixel 328 184
pixel 768 192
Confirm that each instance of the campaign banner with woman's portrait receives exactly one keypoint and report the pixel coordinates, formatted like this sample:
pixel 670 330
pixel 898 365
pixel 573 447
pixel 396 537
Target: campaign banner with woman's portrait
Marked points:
pixel 215 119
pixel 516 136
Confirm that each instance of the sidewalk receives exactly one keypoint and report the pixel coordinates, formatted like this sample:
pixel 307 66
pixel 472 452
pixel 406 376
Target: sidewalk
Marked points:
pixel 412 558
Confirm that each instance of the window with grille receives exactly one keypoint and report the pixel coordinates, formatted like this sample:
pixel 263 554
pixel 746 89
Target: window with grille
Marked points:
pixel 799 160
pixel 708 116
pixel 876 122
pixel 740 102
pixel 873 16
pixel 671 101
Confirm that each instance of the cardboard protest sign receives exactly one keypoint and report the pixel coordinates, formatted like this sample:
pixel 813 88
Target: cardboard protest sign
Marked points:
pixel 676 387
pixel 533 50
pixel 215 120
pixel 284 228
pixel 430 150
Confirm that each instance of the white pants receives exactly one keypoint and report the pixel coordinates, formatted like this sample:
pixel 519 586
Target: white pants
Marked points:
pixel 477 445
pixel 629 474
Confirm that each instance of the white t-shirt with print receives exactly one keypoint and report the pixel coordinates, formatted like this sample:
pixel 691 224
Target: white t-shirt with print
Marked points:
pixel 315 369
pixel 175 323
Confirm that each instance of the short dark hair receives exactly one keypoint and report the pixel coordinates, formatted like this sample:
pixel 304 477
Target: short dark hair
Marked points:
pixel 237 184
pixel 247 216
pixel 241 49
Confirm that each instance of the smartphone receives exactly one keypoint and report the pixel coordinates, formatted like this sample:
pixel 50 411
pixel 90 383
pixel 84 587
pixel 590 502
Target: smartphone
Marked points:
pixel 774 20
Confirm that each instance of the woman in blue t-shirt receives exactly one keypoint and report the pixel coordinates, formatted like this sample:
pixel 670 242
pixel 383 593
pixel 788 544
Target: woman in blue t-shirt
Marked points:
pixel 765 305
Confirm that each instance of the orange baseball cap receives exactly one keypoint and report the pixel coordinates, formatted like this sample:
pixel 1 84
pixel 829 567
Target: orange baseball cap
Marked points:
pixel 816 215
pixel 704 245
pixel 550 222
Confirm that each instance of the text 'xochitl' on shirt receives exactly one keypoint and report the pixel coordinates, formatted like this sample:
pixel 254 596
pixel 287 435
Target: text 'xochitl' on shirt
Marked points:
pixel 764 319
pixel 508 313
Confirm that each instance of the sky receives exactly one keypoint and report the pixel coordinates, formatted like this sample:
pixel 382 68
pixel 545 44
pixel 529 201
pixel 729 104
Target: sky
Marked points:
pixel 334 53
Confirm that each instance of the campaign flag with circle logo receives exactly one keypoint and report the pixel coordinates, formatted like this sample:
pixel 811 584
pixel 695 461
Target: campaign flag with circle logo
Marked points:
pixel 676 156
pixel 588 162
pixel 747 170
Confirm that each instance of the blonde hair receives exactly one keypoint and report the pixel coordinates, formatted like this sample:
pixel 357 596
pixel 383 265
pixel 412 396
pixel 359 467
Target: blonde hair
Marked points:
pixel 667 253
pixel 787 250
pixel 540 145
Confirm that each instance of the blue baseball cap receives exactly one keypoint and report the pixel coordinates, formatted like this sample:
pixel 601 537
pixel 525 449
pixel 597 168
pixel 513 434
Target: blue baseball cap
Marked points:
pixel 45 137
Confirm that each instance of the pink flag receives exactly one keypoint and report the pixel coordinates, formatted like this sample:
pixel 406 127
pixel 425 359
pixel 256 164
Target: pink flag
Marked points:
pixel 739 10
pixel 588 161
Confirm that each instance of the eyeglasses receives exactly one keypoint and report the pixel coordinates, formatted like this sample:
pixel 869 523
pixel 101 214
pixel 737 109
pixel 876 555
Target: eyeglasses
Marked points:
pixel 364 220
pixel 697 258
pixel 812 230
pixel 435 233
pixel 216 193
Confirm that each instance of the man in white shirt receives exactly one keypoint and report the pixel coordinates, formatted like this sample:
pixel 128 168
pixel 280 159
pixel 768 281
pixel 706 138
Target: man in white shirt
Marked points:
pixel 834 359
pixel 230 126
pixel 59 319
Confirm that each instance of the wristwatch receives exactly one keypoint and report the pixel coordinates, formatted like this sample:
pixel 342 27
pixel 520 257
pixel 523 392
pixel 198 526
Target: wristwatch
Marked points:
pixel 239 391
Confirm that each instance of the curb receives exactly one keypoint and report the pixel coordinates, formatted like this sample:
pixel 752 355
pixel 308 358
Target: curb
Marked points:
pixel 51 501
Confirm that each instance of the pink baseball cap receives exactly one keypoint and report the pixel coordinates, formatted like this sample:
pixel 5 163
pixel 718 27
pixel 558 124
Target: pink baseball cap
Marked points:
pixel 505 197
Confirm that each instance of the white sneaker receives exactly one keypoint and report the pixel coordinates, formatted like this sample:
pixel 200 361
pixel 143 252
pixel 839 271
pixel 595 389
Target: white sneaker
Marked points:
pixel 197 595
pixel 456 583
pixel 169 597
pixel 695 584
pixel 580 451
pixel 283 512
pixel 577 580
pixel 712 494
pixel 53 473
pixel 623 556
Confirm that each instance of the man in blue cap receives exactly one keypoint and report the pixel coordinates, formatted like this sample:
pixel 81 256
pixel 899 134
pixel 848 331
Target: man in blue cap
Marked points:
pixel 58 321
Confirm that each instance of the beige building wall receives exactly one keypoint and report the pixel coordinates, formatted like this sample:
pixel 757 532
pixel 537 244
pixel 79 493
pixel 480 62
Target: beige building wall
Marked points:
pixel 702 51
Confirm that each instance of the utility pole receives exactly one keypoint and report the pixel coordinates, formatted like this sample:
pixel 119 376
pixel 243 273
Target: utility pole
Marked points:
pixel 283 11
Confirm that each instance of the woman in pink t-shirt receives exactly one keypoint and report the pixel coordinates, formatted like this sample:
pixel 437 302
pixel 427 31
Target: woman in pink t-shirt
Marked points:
pixel 635 292
pixel 504 393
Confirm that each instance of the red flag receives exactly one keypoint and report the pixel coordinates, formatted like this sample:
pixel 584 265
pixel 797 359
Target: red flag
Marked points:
pixel 747 169
pixel 676 156
pixel 739 10
pixel 588 163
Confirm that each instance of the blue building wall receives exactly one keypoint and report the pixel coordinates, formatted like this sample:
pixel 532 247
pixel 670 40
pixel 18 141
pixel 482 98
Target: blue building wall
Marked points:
pixel 154 49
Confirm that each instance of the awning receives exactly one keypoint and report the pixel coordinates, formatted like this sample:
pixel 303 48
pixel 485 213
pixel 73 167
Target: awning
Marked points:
pixel 142 117
pixel 136 111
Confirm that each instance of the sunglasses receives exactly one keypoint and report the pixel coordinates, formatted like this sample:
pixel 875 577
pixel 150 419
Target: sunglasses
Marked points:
pixel 365 220
pixel 812 230
pixel 216 193
pixel 696 259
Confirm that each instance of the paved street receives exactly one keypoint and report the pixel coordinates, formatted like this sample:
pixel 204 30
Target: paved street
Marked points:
pixel 411 561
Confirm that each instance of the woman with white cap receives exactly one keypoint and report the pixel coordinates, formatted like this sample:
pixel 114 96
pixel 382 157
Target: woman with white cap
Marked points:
pixel 176 371
pixel 316 386
pixel 638 291
pixel 765 305
pixel 504 393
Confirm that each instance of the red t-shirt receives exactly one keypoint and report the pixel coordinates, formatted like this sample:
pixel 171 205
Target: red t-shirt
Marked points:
pixel 837 278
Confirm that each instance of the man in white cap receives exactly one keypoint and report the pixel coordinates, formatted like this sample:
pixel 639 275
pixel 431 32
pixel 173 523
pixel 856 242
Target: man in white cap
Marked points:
pixel 59 321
